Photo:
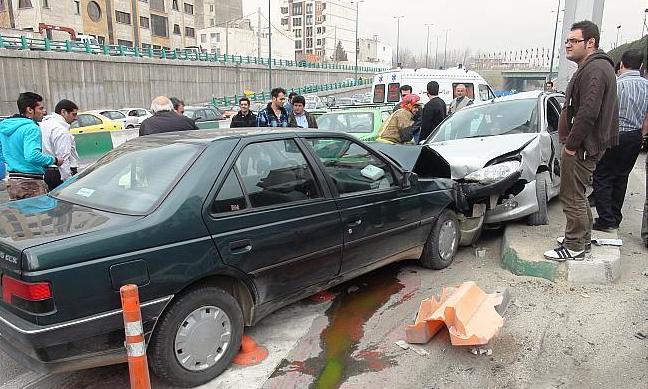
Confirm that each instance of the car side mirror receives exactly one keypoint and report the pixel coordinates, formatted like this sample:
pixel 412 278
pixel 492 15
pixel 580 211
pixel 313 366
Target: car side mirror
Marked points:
pixel 407 179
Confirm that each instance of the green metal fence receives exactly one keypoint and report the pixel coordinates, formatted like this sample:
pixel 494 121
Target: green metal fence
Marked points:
pixel 44 44
pixel 264 96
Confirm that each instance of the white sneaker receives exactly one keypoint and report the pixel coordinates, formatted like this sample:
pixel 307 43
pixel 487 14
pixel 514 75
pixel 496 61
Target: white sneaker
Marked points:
pixel 562 253
pixel 588 247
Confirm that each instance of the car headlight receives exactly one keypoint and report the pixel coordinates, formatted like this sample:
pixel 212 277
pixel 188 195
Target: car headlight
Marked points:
pixel 494 173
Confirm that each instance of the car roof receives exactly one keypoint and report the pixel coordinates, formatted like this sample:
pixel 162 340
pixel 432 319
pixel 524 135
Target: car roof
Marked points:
pixel 99 111
pixel 210 136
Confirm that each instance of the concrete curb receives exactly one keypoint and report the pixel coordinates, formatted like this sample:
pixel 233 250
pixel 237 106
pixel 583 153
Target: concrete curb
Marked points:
pixel 602 266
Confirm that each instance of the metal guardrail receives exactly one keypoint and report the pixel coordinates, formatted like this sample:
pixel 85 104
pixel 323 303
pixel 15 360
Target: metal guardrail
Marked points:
pixel 44 44
pixel 265 96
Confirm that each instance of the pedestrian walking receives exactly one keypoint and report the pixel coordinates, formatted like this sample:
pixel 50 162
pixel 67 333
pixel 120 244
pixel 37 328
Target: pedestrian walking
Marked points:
pixel 404 91
pixel 21 142
pixel 461 101
pixel 612 171
pixel 274 115
pixel 588 125
pixel 57 140
pixel 178 105
pixel 244 117
pixel 299 116
pixel 434 111
pixel 394 128
pixel 165 119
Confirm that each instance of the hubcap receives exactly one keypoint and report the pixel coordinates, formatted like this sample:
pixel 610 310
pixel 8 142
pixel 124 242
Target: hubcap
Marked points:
pixel 203 338
pixel 447 240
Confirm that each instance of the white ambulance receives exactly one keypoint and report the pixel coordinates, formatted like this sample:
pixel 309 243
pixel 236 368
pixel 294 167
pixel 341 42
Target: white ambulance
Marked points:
pixel 386 84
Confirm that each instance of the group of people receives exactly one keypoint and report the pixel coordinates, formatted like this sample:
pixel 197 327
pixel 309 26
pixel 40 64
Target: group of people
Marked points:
pixel 601 126
pixel 409 122
pixel 278 113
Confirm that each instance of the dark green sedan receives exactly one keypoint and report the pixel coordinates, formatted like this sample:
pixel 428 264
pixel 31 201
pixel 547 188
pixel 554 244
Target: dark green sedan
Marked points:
pixel 218 229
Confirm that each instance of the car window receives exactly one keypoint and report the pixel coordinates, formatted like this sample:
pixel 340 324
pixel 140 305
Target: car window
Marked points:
pixel 230 197
pixel 210 114
pixel 393 92
pixel 349 122
pixel 199 115
pixel 379 93
pixel 485 93
pixel 276 172
pixel 553 114
pixel 129 179
pixel 470 89
pixel 141 112
pixel 132 113
pixel 352 167
pixel 87 120
pixel 114 115
pixel 384 115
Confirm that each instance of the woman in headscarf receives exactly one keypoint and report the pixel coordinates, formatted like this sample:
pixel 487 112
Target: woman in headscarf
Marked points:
pixel 392 129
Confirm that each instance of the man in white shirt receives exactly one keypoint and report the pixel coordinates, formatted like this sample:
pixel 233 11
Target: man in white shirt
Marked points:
pixel 57 141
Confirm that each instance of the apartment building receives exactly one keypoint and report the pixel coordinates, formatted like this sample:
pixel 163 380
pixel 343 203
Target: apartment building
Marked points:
pixel 142 23
pixel 216 13
pixel 324 30
pixel 372 52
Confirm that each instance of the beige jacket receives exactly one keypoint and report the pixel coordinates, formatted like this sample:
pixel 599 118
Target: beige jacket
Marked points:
pixel 395 123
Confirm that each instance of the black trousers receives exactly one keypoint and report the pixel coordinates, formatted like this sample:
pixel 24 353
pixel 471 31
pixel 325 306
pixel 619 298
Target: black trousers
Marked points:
pixel 611 177
pixel 53 177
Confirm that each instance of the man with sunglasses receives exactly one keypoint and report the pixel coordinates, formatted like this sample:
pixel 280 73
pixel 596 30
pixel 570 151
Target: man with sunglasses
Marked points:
pixel 588 125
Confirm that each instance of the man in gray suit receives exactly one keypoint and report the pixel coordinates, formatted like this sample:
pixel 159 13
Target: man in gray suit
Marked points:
pixel 461 101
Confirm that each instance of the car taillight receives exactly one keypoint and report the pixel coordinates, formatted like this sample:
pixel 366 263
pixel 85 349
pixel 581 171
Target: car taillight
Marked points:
pixel 34 297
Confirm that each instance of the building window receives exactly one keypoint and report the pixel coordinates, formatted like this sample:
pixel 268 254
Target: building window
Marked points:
pixel 212 22
pixel 126 43
pixel 188 9
pixel 211 8
pixel 144 22
pixel 176 29
pixel 94 11
pixel 309 19
pixel 174 5
pixel 284 21
pixel 319 42
pixel 45 4
pixel 190 32
pixel 24 4
pixel 159 25
pixel 146 46
pixel 122 17
pixel 298 33
pixel 309 31
pixel 77 4
pixel 157 5
pixel 309 43
pixel 284 10
pixel 319 30
pixel 297 22
pixel 298 45
pixel 297 9
pixel 203 38
pixel 309 8
pixel 215 37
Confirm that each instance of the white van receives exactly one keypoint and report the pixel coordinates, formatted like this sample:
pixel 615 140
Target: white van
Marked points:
pixel 386 85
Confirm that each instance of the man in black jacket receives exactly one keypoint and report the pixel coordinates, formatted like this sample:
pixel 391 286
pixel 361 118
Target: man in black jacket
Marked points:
pixel 245 117
pixel 434 111
pixel 165 119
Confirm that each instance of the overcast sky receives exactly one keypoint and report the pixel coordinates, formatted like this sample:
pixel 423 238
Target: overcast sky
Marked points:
pixel 488 25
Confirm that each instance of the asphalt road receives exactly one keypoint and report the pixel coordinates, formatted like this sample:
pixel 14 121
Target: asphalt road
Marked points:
pixel 556 335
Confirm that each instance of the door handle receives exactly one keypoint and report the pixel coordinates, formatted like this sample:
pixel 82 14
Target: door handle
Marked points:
pixel 355 223
pixel 240 246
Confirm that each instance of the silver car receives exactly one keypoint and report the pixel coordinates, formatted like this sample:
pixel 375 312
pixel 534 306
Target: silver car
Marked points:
pixel 505 153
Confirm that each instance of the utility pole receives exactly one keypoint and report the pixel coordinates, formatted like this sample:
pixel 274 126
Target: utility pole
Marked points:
pixel 445 50
pixel 643 28
pixel 227 37
pixel 398 18
pixel 436 53
pixel 357 44
pixel 269 44
pixel 259 33
pixel 553 47
pixel 427 46
pixel 617 39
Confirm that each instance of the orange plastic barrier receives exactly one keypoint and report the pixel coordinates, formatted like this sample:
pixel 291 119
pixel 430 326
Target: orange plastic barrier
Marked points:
pixel 135 342
pixel 468 312
pixel 251 353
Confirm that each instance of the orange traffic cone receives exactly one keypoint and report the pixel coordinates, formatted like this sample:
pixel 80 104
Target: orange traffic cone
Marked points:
pixel 251 353
pixel 135 342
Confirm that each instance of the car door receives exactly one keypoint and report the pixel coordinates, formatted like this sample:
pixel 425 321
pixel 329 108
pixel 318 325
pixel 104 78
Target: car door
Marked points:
pixel 380 218
pixel 272 219
pixel 86 123
pixel 553 106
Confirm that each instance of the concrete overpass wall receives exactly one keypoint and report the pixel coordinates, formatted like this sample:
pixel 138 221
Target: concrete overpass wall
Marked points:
pixel 114 82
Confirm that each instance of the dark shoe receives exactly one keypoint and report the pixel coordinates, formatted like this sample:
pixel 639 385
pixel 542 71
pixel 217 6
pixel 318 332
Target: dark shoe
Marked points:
pixel 562 254
pixel 603 227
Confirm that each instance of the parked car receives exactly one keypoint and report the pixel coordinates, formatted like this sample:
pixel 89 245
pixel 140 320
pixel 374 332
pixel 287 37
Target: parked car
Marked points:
pixel 93 122
pixel 129 122
pixel 363 123
pixel 205 117
pixel 314 102
pixel 140 113
pixel 511 142
pixel 236 225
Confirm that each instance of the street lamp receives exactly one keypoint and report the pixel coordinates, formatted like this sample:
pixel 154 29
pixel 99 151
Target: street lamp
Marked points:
pixel 617 39
pixel 357 45
pixel 269 44
pixel 445 49
pixel 427 46
pixel 644 23
pixel 398 18
pixel 553 47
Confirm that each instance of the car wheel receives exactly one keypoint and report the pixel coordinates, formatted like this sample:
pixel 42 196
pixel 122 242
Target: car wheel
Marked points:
pixel 196 338
pixel 443 242
pixel 542 216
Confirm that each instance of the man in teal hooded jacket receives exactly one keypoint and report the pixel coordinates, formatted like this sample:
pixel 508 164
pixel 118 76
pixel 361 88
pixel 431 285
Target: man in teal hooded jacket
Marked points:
pixel 21 147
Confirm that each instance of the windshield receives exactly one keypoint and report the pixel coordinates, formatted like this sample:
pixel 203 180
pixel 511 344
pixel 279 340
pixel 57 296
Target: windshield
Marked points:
pixel 349 122
pixel 131 179
pixel 500 118
pixel 190 113
pixel 114 115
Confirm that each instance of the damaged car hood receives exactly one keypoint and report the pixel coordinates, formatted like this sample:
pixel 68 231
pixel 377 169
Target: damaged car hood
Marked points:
pixel 471 154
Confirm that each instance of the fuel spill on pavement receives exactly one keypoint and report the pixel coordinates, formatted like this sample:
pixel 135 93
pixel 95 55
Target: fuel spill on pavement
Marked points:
pixel 339 357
